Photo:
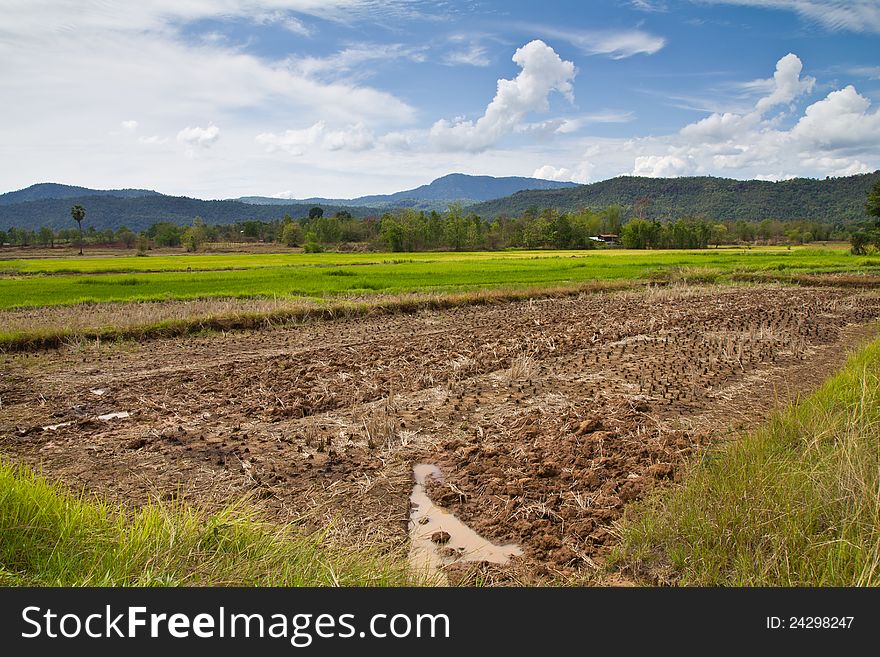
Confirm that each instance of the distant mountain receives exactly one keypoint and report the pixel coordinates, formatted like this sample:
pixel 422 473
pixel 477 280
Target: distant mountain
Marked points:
pixel 833 200
pixel 454 188
pixel 139 213
pixel 44 191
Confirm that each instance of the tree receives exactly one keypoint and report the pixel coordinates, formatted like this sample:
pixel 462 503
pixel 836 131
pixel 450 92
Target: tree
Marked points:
pixel 292 234
pixel 315 213
pixel 872 205
pixel 78 213
pixel 46 236
pixel 870 234
pixel 195 236
pixel 165 233
pixel 126 236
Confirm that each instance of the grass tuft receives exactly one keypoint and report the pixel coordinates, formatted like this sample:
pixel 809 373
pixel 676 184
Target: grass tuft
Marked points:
pixel 50 536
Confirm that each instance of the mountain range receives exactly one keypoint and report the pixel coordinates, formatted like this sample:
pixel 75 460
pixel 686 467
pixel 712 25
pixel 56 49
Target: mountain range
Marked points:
pixel 832 200
pixel 48 204
pixel 437 195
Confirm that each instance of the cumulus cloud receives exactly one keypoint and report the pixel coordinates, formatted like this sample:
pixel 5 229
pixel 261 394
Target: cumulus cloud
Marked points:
pixel 721 126
pixel 664 166
pixel 581 174
pixel 131 125
pixel 353 138
pixel 785 86
pixel 549 172
pixel 787 83
pixel 543 71
pixel 840 120
pixel 197 136
pixel 833 136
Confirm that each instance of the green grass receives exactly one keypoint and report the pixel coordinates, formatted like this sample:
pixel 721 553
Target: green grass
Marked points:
pixel 52 537
pixel 275 276
pixel 796 503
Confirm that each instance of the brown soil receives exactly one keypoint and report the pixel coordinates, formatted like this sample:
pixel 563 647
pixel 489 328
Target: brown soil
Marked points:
pixel 546 417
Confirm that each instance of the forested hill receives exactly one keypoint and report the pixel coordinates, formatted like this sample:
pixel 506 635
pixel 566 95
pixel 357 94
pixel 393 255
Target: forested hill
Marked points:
pixel 833 200
pixel 43 191
pixel 138 214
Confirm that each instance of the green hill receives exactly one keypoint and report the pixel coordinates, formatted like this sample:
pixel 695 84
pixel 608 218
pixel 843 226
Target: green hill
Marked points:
pixel 44 191
pixel 833 200
pixel 139 213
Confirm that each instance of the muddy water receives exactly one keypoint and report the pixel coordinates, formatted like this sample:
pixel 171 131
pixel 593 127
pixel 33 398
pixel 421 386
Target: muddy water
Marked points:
pixel 119 415
pixel 55 427
pixel 463 544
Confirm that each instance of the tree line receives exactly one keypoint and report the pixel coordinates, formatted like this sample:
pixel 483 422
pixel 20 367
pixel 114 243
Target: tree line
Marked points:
pixel 455 229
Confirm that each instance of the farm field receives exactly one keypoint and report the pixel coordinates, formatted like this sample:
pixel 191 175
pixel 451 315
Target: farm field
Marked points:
pixel 45 282
pixel 53 301
pixel 543 419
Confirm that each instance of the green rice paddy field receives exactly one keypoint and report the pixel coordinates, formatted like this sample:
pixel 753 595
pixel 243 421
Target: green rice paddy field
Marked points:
pixel 62 281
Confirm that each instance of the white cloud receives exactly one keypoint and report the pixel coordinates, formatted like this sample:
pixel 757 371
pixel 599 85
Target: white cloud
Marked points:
pixel 834 136
pixel 840 120
pixel 548 172
pixel 131 125
pixel 787 83
pixel 581 174
pixel 354 57
pixel 543 71
pixel 153 139
pixel 197 136
pixel 719 127
pixel 870 72
pixel 353 138
pixel 649 5
pixel 288 22
pixel 111 59
pixel 475 55
pixel 851 15
pixel 617 44
pixel 784 87
pixel 663 166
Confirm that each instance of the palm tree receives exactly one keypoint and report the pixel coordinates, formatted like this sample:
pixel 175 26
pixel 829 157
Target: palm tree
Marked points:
pixel 78 213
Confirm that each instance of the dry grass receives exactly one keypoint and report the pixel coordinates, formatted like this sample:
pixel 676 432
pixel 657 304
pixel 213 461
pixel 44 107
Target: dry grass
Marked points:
pixel 42 328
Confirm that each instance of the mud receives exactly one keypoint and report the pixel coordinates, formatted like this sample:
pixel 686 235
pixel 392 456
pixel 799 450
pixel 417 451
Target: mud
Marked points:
pixel 431 526
pixel 546 417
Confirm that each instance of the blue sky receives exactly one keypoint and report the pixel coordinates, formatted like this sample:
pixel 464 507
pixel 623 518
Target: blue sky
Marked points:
pixel 339 98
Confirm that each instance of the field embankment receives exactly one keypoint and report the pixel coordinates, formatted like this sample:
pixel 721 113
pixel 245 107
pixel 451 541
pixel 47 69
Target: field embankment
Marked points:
pixel 794 503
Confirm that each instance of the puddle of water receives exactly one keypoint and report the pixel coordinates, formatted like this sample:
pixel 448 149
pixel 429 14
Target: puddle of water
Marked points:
pixel 119 415
pixel 426 519
pixel 53 427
